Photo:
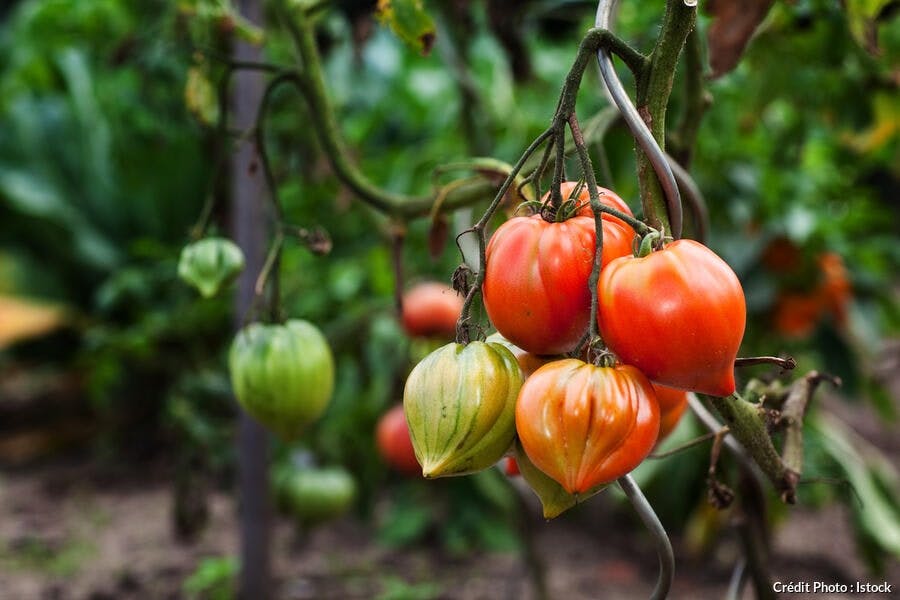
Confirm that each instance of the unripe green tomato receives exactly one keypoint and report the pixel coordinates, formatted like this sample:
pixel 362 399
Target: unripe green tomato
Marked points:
pixel 460 406
pixel 282 375
pixel 210 264
pixel 316 495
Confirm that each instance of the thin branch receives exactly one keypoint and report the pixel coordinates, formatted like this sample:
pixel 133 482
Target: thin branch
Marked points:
pixel 787 364
pixel 689 444
pixel 792 415
pixel 653 525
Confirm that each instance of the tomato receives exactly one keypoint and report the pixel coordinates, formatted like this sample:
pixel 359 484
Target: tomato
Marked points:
pixel 555 500
pixel 536 280
pixel 393 442
pixel 835 286
pixel 315 495
pixel 431 309
pixel 607 197
pixel 584 425
pixel 460 406
pixel 672 404
pixel 282 375
pixel 796 314
pixel 528 362
pixel 512 467
pixel 677 314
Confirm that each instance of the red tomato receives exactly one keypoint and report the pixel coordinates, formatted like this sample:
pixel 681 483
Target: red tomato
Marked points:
pixel 796 315
pixel 677 314
pixel 672 404
pixel 536 283
pixel 431 309
pixel 607 197
pixel 835 288
pixel 394 444
pixel 512 467
pixel 584 425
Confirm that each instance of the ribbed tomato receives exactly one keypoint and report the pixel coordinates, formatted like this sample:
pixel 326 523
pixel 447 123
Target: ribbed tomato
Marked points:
pixel 431 309
pixel 607 197
pixel 536 283
pixel 460 406
pixel 584 425
pixel 672 404
pixel 528 362
pixel 677 314
pixel 282 375
pixel 393 442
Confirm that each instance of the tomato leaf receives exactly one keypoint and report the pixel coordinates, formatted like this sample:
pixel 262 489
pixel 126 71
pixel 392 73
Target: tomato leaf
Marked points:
pixel 200 96
pixel 863 18
pixel 732 27
pixel 410 21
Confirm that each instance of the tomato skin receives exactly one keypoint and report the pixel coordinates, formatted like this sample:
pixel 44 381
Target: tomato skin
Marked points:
pixel 584 425
pixel 394 444
pixel 282 375
pixel 536 280
pixel 316 495
pixel 512 467
pixel 460 407
pixel 528 362
pixel 677 314
pixel 607 197
pixel 672 404
pixel 431 309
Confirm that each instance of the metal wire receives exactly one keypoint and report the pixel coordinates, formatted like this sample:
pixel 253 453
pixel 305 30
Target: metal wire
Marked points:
pixel 636 124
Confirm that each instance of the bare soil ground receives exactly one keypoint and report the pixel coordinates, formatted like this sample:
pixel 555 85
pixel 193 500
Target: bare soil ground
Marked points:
pixel 68 532
pixel 70 529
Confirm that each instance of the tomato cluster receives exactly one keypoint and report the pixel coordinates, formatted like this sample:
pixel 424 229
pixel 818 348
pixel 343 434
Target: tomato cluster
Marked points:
pixel 672 319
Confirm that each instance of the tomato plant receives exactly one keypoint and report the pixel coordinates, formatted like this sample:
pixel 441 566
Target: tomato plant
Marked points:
pixel 282 375
pixel 460 405
pixel 431 309
pixel 585 425
pixel 536 280
pixel 393 442
pixel 583 199
pixel 677 314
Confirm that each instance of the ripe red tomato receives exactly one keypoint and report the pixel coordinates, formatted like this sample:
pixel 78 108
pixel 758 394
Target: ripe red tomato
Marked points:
pixel 607 197
pixel 677 314
pixel 394 444
pixel 431 309
pixel 512 467
pixel 536 283
pixel 796 314
pixel 584 425
pixel 672 404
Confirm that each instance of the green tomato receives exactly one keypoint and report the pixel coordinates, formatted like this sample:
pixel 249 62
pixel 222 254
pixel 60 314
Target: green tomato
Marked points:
pixel 282 375
pixel 316 495
pixel 210 264
pixel 460 406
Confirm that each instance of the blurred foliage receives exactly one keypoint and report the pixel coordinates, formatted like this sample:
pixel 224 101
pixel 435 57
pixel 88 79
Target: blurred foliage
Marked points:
pixel 107 156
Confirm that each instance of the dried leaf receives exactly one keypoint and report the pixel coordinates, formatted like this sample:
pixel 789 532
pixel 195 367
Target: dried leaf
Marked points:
pixel 22 319
pixel 734 22
pixel 437 235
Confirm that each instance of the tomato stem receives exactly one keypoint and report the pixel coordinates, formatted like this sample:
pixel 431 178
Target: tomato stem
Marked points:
pixel 652 523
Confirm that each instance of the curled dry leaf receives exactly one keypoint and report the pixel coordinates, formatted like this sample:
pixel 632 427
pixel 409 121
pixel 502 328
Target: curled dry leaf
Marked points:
pixel 733 24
